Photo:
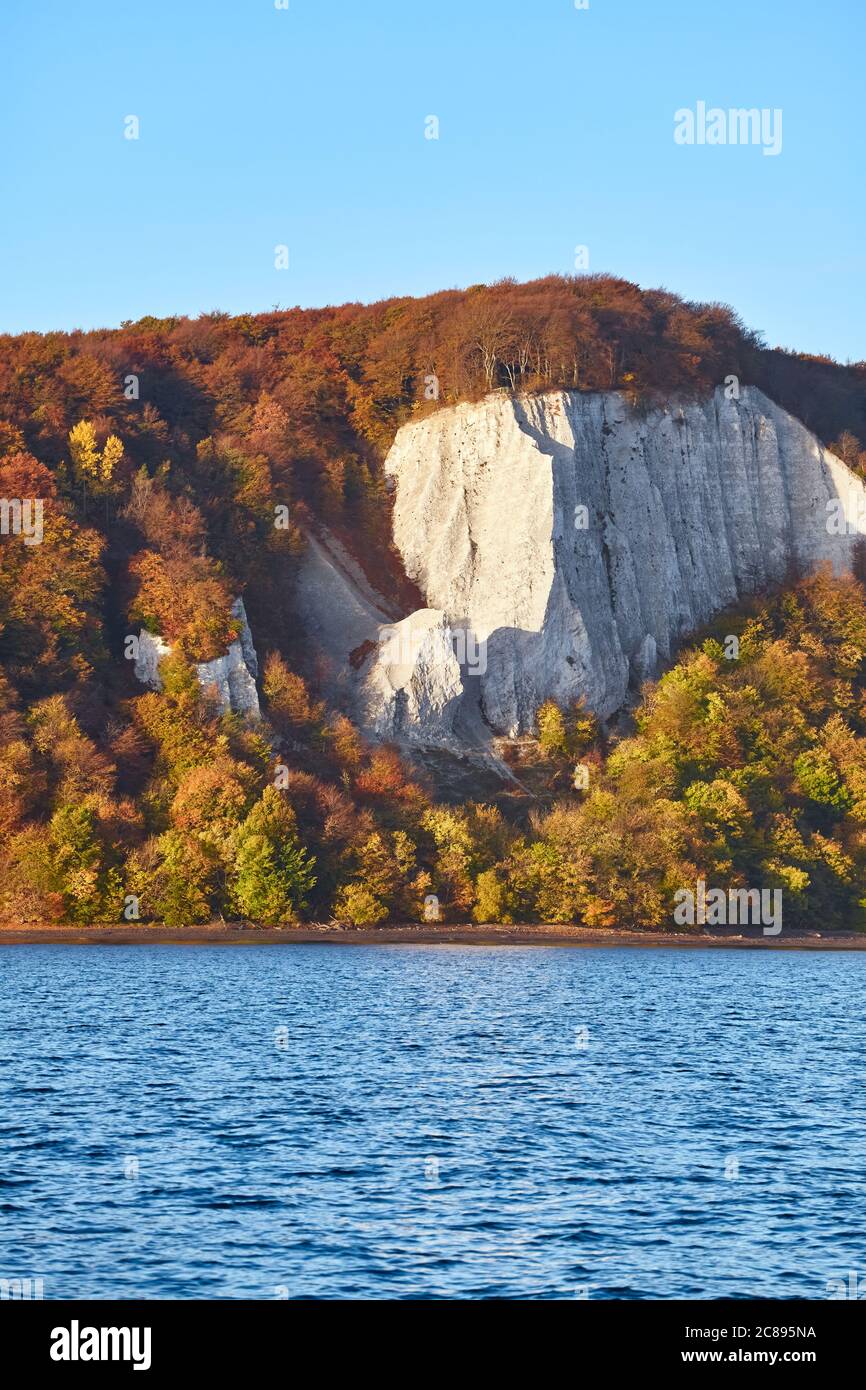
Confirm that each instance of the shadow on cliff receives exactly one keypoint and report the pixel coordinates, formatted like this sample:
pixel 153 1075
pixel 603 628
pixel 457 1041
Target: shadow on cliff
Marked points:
pixel 518 663
pixel 584 645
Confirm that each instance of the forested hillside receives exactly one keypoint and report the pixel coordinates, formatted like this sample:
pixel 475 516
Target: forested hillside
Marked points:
pixel 169 454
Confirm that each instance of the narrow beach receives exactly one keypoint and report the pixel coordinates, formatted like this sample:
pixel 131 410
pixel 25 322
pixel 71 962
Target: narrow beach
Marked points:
pixel 452 934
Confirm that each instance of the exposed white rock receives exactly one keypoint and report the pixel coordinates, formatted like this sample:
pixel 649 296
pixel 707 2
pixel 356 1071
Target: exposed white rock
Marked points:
pixel 338 608
pixel 151 650
pixel 645 660
pixel 687 510
pixel 245 637
pixel 411 688
pixel 233 676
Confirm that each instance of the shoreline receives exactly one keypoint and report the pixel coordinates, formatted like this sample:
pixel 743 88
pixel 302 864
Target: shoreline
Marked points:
pixel 422 934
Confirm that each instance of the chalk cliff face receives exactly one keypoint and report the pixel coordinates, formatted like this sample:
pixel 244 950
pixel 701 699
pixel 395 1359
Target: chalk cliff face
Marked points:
pixel 233 676
pixel 565 544
pixel 413 689
pixel 573 542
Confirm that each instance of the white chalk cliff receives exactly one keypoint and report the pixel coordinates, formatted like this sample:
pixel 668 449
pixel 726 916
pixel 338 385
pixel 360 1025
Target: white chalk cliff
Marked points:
pixel 413 689
pixel 233 676
pixel 577 541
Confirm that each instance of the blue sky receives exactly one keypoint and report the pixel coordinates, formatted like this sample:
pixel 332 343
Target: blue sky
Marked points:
pixel 305 127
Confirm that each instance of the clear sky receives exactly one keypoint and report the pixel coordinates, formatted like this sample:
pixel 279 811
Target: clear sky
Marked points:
pixel 305 127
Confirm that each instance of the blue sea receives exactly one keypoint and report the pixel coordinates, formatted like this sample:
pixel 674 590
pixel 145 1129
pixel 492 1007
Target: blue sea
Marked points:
pixel 321 1121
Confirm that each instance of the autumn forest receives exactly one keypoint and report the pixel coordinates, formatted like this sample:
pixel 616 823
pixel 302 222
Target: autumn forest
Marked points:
pixel 161 450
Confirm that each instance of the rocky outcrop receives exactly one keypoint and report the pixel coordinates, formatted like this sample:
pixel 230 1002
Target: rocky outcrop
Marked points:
pixel 151 650
pixel 411 691
pixel 566 544
pixel 341 614
pixel 232 676
pixel 574 542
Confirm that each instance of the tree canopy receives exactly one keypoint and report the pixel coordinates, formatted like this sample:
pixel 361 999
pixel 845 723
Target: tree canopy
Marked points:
pixel 181 463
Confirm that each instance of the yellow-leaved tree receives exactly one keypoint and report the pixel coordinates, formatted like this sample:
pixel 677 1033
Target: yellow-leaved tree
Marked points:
pixel 92 468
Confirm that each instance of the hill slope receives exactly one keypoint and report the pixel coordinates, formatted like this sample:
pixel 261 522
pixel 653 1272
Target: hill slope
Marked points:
pixel 183 464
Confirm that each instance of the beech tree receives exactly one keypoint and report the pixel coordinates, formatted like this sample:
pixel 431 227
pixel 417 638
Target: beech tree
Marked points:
pixel 748 769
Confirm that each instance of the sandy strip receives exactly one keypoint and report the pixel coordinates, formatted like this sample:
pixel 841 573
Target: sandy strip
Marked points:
pixel 220 934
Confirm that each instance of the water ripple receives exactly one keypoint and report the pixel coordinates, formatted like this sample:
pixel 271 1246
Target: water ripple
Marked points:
pixel 303 1121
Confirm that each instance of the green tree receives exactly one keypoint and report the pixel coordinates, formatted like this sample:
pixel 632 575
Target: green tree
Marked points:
pixel 175 880
pixel 89 881
pixel 272 873
pixel 491 898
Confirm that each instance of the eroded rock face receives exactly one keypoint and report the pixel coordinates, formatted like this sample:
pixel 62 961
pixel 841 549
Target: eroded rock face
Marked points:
pixel 341 614
pixel 233 676
pixel 151 650
pixel 577 541
pixel 411 689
